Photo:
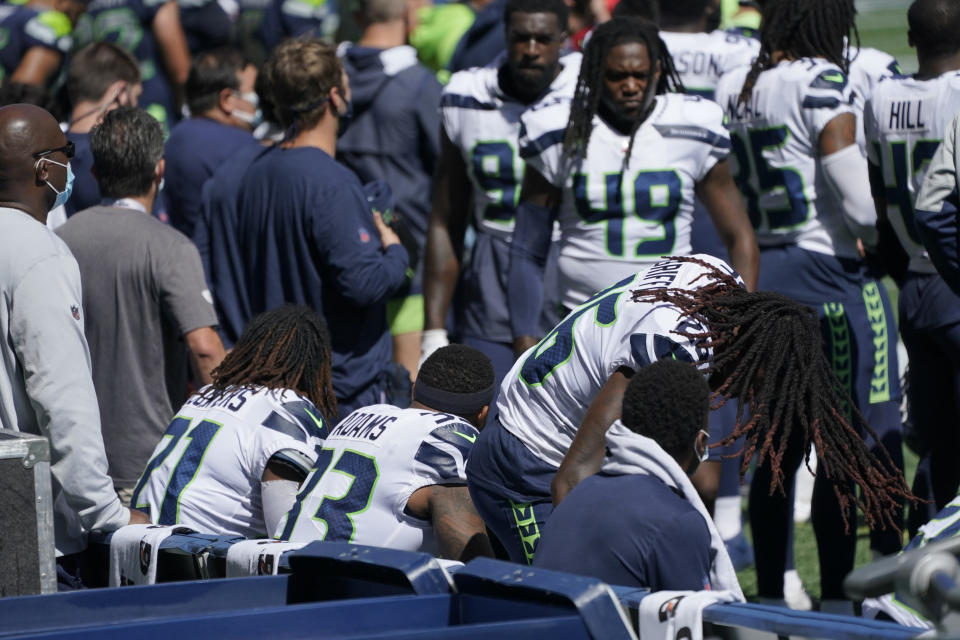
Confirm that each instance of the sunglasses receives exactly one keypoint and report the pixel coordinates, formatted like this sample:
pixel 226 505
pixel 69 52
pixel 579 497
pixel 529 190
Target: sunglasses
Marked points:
pixel 67 150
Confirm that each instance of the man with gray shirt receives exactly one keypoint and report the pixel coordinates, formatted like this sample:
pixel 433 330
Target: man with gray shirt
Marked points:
pixel 45 384
pixel 145 296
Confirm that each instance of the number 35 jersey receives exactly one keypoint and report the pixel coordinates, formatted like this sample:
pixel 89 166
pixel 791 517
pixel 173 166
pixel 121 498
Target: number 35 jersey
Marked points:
pixel 548 390
pixel 205 473
pixel 369 466
pixel 904 122
pixel 484 123
pixel 617 217
pixel 776 149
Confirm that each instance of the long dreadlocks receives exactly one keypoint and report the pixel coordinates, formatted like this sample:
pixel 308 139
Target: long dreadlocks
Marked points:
pixel 767 353
pixel 287 348
pixel 804 29
pixel 586 98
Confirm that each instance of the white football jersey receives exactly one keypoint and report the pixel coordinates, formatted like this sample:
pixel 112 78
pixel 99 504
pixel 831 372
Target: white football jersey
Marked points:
pixel 370 465
pixel 868 68
pixel 546 394
pixel 205 473
pixel 701 58
pixel 616 218
pixel 484 123
pixel 776 151
pixel 905 122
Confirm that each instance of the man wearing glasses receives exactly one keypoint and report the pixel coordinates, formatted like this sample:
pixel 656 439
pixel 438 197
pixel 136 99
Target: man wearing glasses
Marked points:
pixel 45 382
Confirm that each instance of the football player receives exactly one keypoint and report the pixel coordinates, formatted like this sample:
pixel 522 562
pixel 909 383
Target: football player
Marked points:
pixel 399 474
pixel 562 395
pixel 905 121
pixel 235 454
pixel 793 127
pixel 36 37
pixel 479 175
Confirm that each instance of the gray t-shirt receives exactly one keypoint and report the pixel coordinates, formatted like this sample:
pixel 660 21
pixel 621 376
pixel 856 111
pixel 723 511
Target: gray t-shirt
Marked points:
pixel 143 289
pixel 45 385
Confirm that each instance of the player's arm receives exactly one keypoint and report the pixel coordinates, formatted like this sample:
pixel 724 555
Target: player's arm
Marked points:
pixel 528 254
pixel 891 256
pixel 457 527
pixel 206 351
pixel 444 246
pixel 278 490
pixel 846 172
pixel 172 42
pixel 720 195
pixel 586 453
pixel 37 66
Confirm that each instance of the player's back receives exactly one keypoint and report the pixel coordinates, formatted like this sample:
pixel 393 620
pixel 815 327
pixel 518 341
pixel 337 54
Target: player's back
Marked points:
pixel 702 58
pixel 547 392
pixel 775 136
pixel 370 465
pixel 905 121
pixel 205 473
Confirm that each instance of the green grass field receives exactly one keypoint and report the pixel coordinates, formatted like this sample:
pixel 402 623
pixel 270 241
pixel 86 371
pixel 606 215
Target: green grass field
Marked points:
pixel 883 25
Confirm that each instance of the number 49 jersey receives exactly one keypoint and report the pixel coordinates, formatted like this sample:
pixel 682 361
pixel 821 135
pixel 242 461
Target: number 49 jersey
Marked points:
pixel 547 392
pixel 205 473
pixel 370 465
pixel 617 217
pixel 904 122
pixel 484 123
pixel 775 137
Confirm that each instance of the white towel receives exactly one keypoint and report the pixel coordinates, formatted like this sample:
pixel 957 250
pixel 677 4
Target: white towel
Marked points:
pixel 631 453
pixel 257 557
pixel 672 615
pixel 133 552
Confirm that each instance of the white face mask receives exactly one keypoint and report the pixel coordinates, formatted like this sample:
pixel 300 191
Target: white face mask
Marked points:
pixel 706 449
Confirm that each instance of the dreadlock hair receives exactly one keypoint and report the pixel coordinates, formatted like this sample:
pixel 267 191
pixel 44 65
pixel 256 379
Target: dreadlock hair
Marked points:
pixel 804 29
pixel 667 401
pixel 586 98
pixel 286 348
pixel 767 352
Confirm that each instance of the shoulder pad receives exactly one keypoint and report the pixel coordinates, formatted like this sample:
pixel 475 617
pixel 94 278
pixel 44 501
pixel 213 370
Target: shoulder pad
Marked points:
pixel 830 79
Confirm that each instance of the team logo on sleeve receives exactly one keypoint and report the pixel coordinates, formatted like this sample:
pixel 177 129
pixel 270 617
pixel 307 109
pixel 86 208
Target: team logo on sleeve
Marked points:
pixel 364 235
pixel 75 311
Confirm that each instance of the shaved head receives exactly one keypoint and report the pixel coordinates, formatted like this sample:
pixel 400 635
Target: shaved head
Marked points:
pixel 25 130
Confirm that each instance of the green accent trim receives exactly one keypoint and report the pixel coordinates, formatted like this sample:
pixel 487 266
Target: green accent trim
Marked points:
pixel 606 207
pixel 203 457
pixel 528 522
pixel 58 22
pixel 840 354
pixel 880 380
pixel 468 438
pixel 405 315
pixel 373 487
pixel 496 195
pixel 786 192
pixel 636 206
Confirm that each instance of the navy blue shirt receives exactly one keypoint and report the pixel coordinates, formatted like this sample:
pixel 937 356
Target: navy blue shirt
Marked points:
pixel 215 235
pixel 306 236
pixel 483 41
pixel 195 149
pixel 394 135
pixel 630 530
pixel 85 192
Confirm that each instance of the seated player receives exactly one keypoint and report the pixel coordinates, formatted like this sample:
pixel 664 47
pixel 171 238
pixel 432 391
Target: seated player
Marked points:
pixel 622 524
pixel 234 456
pixel 400 473
pixel 562 395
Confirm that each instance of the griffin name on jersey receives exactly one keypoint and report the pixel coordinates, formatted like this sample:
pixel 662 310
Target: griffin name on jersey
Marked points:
pixel 547 392
pixel 775 165
pixel 369 466
pixel 615 216
pixel 205 472
pixel 905 121
pixel 701 58
pixel 484 123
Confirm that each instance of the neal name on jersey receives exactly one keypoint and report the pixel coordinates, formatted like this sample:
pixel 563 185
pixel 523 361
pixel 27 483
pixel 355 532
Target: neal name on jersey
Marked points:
pixel 368 468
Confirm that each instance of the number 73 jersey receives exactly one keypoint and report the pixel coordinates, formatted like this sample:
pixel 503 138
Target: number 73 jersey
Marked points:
pixel 618 216
pixel 776 149
pixel 369 466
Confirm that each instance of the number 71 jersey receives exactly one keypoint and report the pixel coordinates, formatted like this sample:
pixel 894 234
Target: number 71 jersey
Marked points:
pixel 369 466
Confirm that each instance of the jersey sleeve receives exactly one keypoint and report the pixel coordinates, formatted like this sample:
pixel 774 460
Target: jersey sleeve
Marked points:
pixel 828 95
pixel 938 204
pixel 183 287
pixel 49 29
pixel 644 348
pixel 292 432
pixel 440 459
pixel 541 142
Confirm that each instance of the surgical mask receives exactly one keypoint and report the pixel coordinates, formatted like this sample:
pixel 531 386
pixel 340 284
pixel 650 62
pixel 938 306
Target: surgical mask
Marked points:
pixel 706 449
pixel 62 196
pixel 256 117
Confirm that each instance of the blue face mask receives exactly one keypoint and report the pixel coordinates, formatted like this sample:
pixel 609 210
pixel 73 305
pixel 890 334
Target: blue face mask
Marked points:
pixel 62 196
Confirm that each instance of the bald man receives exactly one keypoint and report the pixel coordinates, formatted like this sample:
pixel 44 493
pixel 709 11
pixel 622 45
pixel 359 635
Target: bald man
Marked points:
pixel 45 382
